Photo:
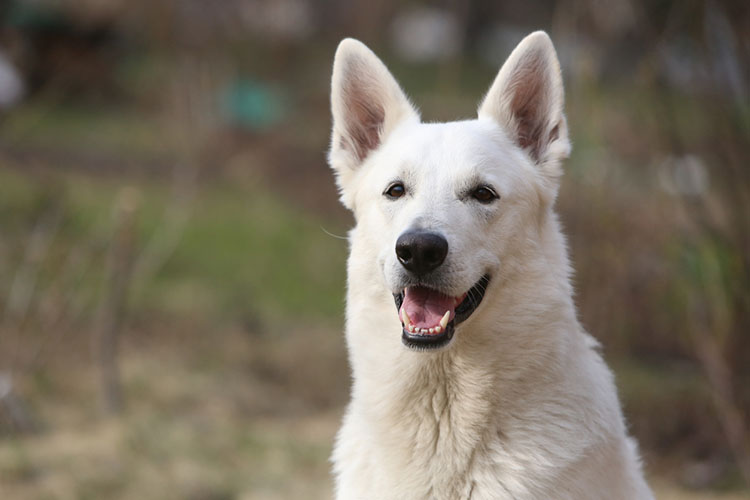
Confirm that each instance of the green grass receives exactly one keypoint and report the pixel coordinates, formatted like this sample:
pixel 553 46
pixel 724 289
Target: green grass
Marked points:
pixel 248 249
pixel 101 129
pixel 242 251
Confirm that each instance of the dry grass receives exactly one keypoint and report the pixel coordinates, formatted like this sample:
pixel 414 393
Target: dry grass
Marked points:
pixel 198 425
pixel 664 490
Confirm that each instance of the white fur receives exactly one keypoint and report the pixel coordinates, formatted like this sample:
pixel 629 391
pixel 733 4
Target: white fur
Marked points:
pixel 520 404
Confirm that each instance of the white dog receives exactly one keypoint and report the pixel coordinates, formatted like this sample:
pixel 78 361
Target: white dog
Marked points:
pixel 472 377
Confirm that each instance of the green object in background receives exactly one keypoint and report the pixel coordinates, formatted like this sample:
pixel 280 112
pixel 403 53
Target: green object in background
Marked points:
pixel 35 16
pixel 252 105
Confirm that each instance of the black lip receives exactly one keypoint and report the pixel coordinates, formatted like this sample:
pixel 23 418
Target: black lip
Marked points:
pixel 418 341
pixel 463 311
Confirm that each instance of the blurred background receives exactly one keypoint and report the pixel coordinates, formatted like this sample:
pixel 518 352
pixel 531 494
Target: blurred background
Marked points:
pixel 171 251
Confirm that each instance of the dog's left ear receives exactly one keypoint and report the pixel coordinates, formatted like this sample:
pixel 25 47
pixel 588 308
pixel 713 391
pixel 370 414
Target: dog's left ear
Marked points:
pixel 526 100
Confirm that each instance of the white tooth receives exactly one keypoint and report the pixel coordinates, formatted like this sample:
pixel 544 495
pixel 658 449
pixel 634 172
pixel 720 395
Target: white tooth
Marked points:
pixel 405 318
pixel 438 329
pixel 444 320
pixel 424 331
pixel 432 330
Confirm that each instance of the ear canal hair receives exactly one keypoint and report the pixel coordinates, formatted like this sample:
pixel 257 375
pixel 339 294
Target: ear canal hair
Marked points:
pixel 526 100
pixel 529 102
pixel 363 126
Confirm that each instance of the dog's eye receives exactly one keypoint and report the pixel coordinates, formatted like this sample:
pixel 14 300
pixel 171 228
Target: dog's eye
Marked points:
pixel 484 194
pixel 395 190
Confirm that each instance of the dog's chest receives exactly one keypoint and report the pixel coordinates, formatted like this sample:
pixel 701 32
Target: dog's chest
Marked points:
pixel 431 441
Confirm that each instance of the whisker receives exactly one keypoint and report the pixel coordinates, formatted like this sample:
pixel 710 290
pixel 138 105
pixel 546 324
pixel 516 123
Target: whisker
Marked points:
pixel 333 235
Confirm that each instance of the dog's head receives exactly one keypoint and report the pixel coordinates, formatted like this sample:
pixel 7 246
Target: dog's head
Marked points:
pixel 447 208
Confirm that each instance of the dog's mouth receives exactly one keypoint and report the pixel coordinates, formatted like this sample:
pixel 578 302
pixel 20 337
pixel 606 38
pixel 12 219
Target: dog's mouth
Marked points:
pixel 429 317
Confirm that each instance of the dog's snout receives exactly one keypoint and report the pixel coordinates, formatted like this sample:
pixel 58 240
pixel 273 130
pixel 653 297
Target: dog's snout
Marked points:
pixel 421 251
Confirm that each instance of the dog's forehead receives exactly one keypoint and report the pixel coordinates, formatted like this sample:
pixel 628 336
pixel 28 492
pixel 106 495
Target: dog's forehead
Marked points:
pixel 455 148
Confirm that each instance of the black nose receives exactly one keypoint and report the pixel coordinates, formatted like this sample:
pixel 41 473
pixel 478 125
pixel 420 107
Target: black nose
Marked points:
pixel 420 251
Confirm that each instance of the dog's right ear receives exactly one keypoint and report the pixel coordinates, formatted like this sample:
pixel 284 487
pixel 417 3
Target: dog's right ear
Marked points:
pixel 367 104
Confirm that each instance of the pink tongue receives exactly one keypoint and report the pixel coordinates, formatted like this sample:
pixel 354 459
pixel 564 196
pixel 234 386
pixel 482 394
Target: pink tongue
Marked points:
pixel 426 307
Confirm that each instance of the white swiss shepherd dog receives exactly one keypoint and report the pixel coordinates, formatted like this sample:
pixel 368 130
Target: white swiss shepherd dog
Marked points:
pixel 472 377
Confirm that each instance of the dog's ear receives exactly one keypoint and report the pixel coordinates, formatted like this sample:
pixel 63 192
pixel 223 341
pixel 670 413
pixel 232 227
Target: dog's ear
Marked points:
pixel 526 99
pixel 366 102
